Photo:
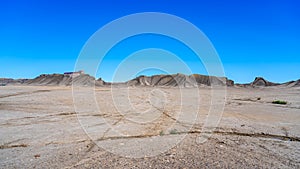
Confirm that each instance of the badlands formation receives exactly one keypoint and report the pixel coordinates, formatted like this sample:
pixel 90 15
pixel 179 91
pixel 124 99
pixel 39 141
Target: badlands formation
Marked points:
pixel 181 80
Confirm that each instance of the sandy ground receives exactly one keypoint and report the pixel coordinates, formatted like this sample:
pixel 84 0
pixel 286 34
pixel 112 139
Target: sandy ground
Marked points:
pixel 48 127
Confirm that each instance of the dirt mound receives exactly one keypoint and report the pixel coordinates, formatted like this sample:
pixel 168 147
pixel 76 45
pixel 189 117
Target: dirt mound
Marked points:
pixel 180 80
pixel 64 80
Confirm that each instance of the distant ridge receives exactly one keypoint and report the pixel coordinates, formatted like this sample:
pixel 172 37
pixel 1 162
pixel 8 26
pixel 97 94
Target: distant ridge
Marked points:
pixel 6 81
pixel 173 80
pixel 261 82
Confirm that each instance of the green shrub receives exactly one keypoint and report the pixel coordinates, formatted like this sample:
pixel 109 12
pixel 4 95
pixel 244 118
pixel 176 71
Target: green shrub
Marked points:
pixel 279 102
pixel 174 131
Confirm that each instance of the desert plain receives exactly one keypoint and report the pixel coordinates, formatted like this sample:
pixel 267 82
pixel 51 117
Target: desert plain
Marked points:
pixel 148 127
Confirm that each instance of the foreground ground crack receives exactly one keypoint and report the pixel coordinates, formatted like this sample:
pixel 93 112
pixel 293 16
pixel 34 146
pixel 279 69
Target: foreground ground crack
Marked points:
pixel 257 135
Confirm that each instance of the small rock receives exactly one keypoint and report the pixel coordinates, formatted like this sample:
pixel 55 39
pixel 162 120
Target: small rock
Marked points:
pixel 37 156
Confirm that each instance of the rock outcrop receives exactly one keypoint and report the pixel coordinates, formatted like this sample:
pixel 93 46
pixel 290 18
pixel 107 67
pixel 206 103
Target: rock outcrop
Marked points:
pixel 259 81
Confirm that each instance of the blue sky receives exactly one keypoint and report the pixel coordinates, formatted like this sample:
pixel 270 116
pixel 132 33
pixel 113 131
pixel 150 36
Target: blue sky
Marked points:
pixel 252 37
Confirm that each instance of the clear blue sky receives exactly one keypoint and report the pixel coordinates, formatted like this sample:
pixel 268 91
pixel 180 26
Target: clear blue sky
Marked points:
pixel 252 37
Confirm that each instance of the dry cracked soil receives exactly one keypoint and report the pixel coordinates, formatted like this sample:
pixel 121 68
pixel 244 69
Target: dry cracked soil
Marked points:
pixel 149 127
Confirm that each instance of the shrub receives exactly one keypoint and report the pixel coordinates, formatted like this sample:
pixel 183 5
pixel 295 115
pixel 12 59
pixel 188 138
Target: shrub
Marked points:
pixel 174 131
pixel 279 102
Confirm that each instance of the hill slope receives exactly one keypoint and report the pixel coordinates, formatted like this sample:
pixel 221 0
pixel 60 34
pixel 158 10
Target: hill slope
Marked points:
pixel 180 80
pixel 55 80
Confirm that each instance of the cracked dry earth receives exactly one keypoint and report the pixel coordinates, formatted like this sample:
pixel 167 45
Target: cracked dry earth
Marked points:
pixel 148 127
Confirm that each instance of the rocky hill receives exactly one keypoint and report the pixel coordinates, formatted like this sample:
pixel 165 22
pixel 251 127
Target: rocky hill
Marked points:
pixel 6 81
pixel 55 80
pixel 64 80
pixel 261 82
pixel 180 80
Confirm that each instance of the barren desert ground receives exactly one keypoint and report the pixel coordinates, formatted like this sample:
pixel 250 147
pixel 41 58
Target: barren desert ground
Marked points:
pixel 147 127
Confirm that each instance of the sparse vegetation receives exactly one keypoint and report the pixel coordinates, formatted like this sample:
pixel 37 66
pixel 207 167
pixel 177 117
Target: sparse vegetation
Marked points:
pixel 161 133
pixel 279 102
pixel 174 131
